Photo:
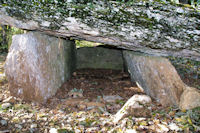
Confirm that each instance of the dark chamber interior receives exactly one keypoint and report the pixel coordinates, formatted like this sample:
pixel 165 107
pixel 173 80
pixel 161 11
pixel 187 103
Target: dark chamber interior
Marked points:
pixel 95 84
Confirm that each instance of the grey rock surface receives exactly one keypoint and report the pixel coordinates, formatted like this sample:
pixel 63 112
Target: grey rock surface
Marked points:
pixel 161 28
pixel 156 76
pixel 99 58
pixel 37 65
pixel 190 98
pixel 6 105
pixel 135 106
pixel 111 98
pixel 3 122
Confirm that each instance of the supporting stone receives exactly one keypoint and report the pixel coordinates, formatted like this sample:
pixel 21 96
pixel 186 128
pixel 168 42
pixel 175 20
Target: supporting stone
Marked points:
pixel 99 58
pixel 37 65
pixel 156 75
pixel 190 98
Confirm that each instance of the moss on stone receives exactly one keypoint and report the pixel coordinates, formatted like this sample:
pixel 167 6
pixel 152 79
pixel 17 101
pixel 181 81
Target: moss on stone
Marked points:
pixel 112 17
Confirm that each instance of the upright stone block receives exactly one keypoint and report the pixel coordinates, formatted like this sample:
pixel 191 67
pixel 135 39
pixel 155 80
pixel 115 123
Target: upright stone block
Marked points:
pixel 157 76
pixel 99 58
pixel 37 65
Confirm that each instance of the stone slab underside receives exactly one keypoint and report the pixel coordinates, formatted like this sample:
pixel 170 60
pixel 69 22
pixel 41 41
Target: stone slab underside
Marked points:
pixel 37 65
pixel 160 28
pixel 156 76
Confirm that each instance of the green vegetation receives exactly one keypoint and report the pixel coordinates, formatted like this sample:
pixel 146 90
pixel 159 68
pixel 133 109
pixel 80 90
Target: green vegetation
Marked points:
pixel 186 67
pixel 64 131
pixel 6 33
pixel 86 44
pixel 189 119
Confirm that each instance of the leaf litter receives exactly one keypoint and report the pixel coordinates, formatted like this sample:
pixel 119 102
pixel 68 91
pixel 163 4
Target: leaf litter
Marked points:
pixel 80 107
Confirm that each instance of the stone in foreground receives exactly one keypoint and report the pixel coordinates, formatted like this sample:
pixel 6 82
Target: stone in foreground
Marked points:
pixel 190 98
pixel 37 65
pixel 134 106
pixel 99 58
pixel 156 76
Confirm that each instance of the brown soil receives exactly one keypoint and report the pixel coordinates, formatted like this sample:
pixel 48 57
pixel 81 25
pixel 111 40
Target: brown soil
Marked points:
pixel 188 79
pixel 98 83
pixel 94 83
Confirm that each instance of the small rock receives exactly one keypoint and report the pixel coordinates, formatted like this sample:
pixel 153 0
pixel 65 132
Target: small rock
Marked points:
pixel 53 130
pixel 28 116
pixel 15 119
pixel 134 106
pixel 92 129
pixel 190 98
pixel 33 125
pixel 174 127
pixel 29 120
pixel 61 111
pixel 82 106
pixel 46 131
pixel 112 98
pixel 130 131
pixel 6 105
pixel 90 107
pixel 162 128
pixel 3 122
pixel 10 99
pixel 32 130
pixel 44 118
pixel 101 109
pixel 23 121
pixel 77 131
pixel 5 131
pixel 18 126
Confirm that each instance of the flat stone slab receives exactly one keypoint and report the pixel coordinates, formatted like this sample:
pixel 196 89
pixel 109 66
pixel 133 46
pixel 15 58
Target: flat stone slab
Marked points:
pixel 155 27
pixel 37 65
pixel 99 58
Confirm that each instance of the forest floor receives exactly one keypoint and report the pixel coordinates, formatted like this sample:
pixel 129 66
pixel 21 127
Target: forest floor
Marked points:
pixel 86 104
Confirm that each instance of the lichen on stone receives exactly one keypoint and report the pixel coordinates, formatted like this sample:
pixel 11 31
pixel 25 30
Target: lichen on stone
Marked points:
pixel 155 24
